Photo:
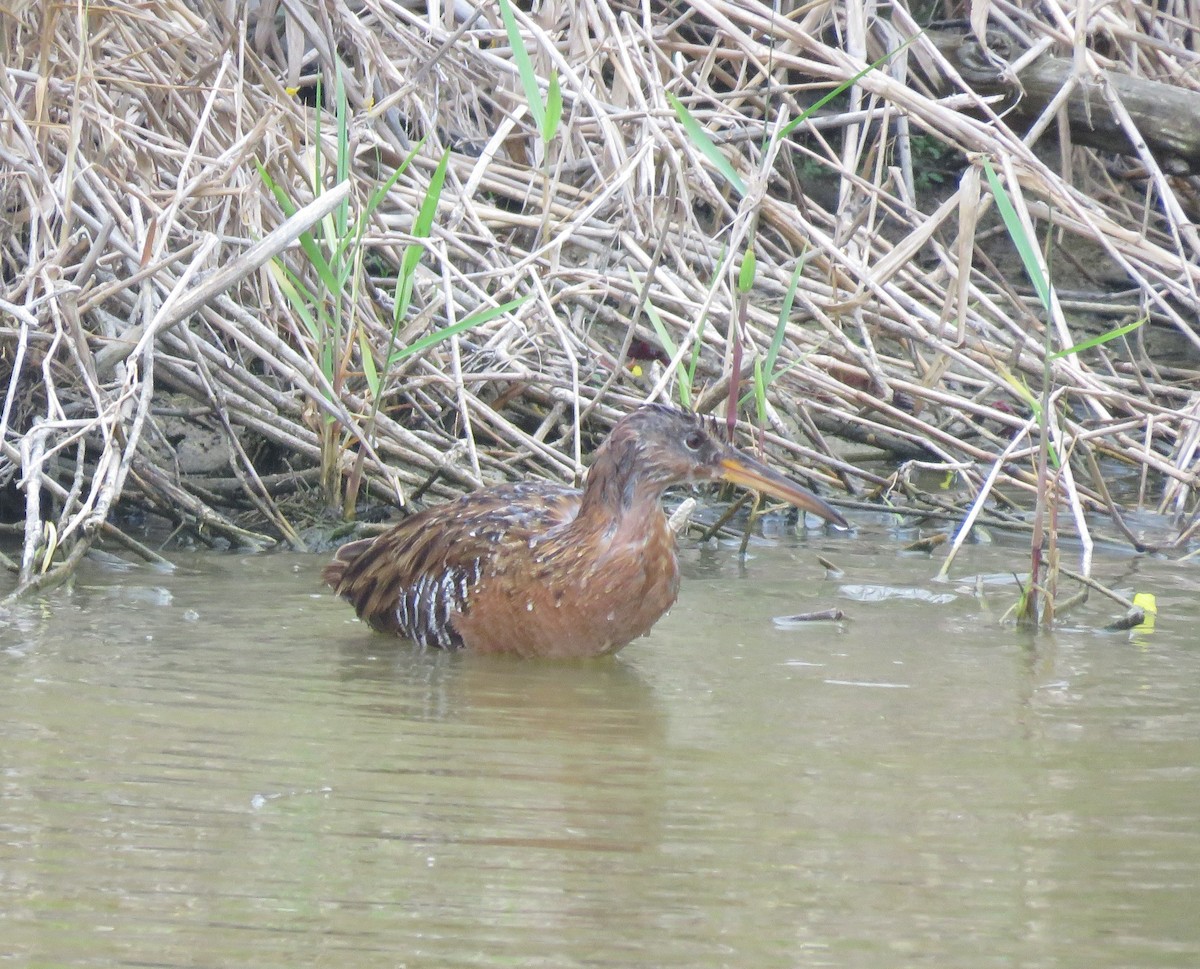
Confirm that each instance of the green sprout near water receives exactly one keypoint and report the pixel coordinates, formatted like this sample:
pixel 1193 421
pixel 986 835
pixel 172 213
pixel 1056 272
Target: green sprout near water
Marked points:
pixel 334 252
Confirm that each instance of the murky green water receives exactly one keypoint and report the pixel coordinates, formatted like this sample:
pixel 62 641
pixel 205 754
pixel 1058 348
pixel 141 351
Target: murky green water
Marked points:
pixel 216 768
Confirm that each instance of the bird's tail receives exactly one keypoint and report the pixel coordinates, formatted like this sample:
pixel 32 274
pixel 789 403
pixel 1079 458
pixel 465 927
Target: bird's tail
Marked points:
pixel 343 558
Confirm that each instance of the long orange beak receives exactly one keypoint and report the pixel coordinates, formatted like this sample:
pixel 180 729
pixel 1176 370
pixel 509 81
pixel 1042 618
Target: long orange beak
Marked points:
pixel 741 469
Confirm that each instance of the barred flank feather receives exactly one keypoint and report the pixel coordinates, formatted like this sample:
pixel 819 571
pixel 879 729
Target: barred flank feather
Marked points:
pixel 417 579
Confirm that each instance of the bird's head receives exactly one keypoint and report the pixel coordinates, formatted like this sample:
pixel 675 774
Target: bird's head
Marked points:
pixel 664 446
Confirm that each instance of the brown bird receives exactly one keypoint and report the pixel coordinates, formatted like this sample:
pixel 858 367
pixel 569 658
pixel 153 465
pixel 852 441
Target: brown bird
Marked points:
pixel 539 569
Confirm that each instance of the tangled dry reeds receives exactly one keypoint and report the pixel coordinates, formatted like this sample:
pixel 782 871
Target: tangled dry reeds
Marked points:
pixel 149 293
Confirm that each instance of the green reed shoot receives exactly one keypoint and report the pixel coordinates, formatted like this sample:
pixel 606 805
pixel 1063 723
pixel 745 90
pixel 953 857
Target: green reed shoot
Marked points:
pixel 683 374
pixel 764 371
pixel 1027 250
pixel 547 112
pixel 708 148
pixel 1099 339
pixel 334 254
pixel 1040 408
pixel 377 376
pixel 325 307
pixel 685 371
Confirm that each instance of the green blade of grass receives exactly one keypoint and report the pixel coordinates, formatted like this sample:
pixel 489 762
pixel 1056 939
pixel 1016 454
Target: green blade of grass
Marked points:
pixel 529 82
pixel 554 108
pixel 370 371
pixel 1026 247
pixel 475 319
pixel 1035 408
pixel 760 392
pixel 697 345
pixel 808 112
pixel 422 227
pixel 669 345
pixel 424 222
pixel 660 328
pixel 1096 341
pixel 342 172
pixel 376 198
pixel 1021 390
pixel 747 271
pixel 785 313
pixel 687 374
pixel 307 242
pixel 299 296
pixel 707 147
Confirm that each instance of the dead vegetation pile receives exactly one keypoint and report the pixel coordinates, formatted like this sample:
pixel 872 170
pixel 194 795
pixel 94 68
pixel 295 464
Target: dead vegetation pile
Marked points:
pixel 167 345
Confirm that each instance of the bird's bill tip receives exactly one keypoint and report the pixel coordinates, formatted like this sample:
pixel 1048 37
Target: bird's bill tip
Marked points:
pixel 738 469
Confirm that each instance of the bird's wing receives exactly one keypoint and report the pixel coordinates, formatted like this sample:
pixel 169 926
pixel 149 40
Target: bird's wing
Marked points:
pixel 413 578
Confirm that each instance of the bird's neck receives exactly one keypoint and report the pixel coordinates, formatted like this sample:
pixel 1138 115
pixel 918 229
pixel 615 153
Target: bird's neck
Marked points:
pixel 615 490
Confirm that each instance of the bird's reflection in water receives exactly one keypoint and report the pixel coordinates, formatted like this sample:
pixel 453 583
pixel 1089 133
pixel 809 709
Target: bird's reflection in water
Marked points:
pixel 544 697
pixel 529 783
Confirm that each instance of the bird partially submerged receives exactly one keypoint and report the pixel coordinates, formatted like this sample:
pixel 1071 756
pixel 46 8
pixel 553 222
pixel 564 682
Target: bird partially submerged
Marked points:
pixel 539 569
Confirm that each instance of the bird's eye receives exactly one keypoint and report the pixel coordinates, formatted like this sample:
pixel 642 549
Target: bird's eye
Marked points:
pixel 694 441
